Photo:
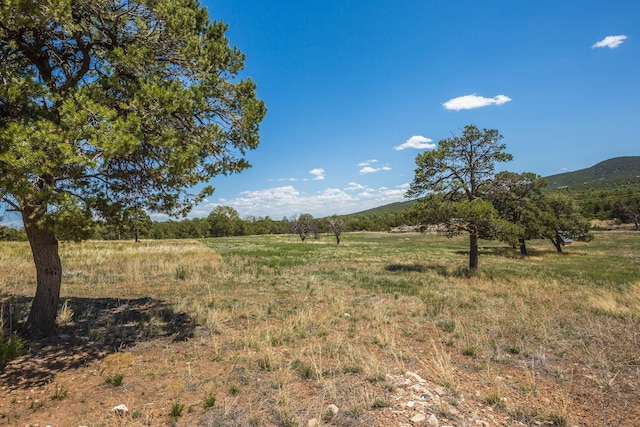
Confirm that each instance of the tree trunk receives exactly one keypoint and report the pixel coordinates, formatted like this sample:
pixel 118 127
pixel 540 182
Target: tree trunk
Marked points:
pixel 523 247
pixel 337 239
pixel 557 244
pixel 44 248
pixel 473 251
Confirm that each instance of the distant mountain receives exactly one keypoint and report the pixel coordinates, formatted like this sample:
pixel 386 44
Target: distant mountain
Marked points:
pixel 614 169
pixel 391 208
pixel 609 173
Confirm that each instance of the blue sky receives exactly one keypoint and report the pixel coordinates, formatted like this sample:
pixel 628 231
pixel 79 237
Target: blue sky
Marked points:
pixel 349 83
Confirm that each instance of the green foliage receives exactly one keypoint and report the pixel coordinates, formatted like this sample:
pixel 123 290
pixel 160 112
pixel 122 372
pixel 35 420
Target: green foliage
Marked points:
pixel 209 401
pixel 519 199
pixel 11 234
pixel 114 380
pixel 455 178
pixel 461 165
pixel 10 348
pixel 225 221
pixel 181 273
pixel 108 110
pixel 176 409
pixel 380 403
pixel 567 221
pixel 120 119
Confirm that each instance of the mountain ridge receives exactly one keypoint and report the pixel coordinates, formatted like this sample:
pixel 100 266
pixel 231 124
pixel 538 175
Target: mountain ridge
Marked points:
pixel 613 170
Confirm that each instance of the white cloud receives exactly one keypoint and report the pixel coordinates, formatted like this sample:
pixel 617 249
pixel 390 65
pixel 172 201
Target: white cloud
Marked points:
pixel 611 42
pixel 418 142
pixel 354 186
pixel 283 179
pixel 472 101
pixel 318 173
pixel 286 201
pixel 369 169
pixel 367 162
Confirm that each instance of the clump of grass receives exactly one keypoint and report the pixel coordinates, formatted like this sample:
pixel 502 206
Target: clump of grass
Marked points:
pixel 266 361
pixel 176 412
pixel 60 392
pixel 176 409
pixel 10 348
pixel 447 325
pixel 283 411
pixel 558 419
pixel 234 389
pixel 494 398
pixel 181 273
pixel 209 401
pixel 65 314
pixel 36 404
pixel 470 350
pixel 380 403
pixel 305 371
pixel 115 380
pixel 444 369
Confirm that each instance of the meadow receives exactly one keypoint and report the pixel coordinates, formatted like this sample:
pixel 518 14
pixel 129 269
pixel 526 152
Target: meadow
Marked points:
pixel 269 330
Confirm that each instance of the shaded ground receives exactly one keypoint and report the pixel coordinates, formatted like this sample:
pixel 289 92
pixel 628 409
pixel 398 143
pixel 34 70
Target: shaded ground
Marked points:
pixel 103 326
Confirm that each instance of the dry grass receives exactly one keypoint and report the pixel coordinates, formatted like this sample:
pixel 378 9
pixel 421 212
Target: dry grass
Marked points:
pixel 286 328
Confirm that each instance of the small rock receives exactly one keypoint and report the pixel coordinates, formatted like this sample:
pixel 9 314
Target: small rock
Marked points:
pixel 410 404
pixel 347 315
pixel 415 376
pixel 313 422
pixel 433 421
pixel 121 409
pixel 440 391
pixel 418 418
pixel 334 409
pixel 418 389
pixel 426 396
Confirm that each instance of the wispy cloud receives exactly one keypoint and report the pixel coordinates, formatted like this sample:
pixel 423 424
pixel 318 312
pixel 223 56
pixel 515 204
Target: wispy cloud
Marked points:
pixel 367 162
pixel 610 41
pixel 469 102
pixel 283 179
pixel 418 142
pixel 369 169
pixel 318 174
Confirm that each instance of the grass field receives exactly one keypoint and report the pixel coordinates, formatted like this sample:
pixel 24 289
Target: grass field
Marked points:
pixel 270 331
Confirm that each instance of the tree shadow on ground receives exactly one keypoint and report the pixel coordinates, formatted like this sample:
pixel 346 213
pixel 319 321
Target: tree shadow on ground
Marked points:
pixel 98 326
pixel 440 270
pixel 419 268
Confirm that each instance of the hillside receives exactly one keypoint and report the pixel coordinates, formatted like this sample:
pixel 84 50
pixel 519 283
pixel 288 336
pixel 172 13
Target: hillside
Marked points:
pixel 612 173
pixel 391 208
pixel 615 169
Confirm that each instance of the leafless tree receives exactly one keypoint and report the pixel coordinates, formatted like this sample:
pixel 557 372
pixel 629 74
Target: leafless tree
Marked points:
pixel 336 226
pixel 303 226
